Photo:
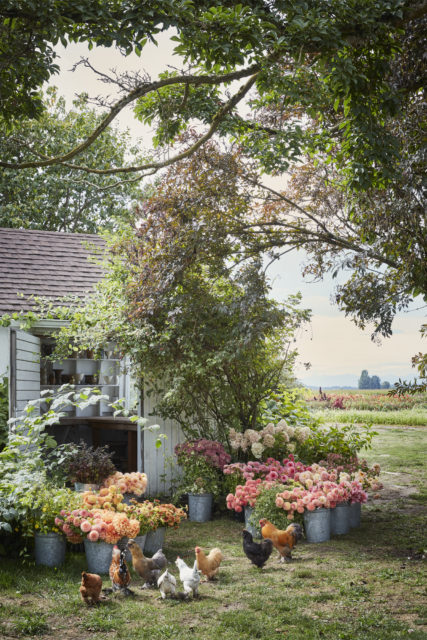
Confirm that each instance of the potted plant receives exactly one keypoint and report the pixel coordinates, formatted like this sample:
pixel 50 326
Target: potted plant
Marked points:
pixel 88 466
pixel 131 485
pixel 202 462
pixel 161 517
pixel 100 529
pixel 44 502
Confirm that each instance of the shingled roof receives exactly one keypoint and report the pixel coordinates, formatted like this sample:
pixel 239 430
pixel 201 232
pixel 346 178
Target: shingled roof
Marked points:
pixel 45 263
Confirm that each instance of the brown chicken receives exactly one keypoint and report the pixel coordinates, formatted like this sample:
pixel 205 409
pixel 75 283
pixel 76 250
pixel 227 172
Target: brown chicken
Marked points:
pixel 119 572
pixel 148 568
pixel 90 590
pixel 284 541
pixel 209 564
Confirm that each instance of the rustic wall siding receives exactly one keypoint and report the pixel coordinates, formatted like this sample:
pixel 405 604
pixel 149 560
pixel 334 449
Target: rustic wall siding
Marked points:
pixel 155 459
pixel 27 373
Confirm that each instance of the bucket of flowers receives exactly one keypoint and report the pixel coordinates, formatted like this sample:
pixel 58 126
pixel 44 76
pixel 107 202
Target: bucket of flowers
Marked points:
pixel 100 529
pixel 43 503
pixel 87 467
pixel 160 516
pixel 131 485
pixel 272 441
pixel 202 462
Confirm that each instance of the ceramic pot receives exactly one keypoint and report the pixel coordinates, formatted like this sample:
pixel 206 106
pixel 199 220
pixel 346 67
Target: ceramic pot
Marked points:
pixel 256 533
pixel 49 549
pixel 154 541
pixel 317 525
pixel 340 519
pixel 200 507
pixel 98 556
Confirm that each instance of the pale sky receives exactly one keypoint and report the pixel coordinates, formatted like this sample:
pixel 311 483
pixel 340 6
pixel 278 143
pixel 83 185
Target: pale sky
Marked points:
pixel 335 347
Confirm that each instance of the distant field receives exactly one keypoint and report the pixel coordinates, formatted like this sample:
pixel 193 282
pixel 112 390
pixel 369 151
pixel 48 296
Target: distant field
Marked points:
pixel 369 406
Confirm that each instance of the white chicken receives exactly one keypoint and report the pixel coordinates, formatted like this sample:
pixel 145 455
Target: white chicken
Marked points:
pixel 190 578
pixel 167 584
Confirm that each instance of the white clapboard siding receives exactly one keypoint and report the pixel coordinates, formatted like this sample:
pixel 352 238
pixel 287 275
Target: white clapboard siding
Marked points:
pixel 27 371
pixel 154 458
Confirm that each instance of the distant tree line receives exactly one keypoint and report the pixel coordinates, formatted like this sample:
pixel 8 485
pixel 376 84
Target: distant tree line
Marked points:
pixel 371 382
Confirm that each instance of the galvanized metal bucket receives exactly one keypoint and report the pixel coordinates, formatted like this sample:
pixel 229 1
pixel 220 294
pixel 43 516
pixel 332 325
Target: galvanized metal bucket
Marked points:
pixel 49 549
pixel 355 514
pixel 317 525
pixel 98 556
pixel 123 542
pixel 340 519
pixel 84 486
pixel 154 541
pixel 200 507
pixel 255 531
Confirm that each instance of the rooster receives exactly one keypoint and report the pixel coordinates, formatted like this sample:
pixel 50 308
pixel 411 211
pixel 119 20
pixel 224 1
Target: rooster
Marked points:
pixel 257 552
pixel 90 590
pixel 284 541
pixel 190 578
pixel 119 572
pixel 148 568
pixel 209 565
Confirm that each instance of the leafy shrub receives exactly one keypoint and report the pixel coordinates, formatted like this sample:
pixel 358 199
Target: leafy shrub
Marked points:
pixel 89 464
pixel 346 440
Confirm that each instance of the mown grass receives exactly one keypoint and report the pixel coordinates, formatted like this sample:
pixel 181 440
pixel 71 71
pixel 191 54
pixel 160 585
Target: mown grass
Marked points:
pixel 409 417
pixel 367 585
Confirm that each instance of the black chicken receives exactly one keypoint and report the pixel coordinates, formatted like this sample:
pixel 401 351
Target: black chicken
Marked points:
pixel 257 552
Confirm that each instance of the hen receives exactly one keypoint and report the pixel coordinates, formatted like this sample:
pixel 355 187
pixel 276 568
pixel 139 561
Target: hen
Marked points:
pixel 90 590
pixel 119 572
pixel 190 578
pixel 167 584
pixel 148 568
pixel 209 564
pixel 257 552
pixel 284 541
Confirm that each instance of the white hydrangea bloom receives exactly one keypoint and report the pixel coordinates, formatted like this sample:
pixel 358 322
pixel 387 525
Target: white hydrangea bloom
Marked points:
pixel 252 435
pixel 282 424
pixel 291 447
pixel 268 440
pixel 269 428
pixel 257 449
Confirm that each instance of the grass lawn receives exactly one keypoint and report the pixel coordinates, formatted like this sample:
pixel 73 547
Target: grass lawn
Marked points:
pixel 367 585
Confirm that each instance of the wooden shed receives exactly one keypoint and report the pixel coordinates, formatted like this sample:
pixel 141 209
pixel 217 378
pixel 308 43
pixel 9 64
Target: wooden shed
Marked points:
pixel 54 265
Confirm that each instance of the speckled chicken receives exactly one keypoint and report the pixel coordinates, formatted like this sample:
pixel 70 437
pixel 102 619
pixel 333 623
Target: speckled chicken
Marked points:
pixel 119 572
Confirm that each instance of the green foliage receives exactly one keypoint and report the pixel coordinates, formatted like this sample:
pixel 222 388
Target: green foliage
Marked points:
pixel 410 417
pixel 265 507
pixel 287 404
pixel 4 410
pixel 198 476
pixel 57 198
pixel 31 456
pixel 346 440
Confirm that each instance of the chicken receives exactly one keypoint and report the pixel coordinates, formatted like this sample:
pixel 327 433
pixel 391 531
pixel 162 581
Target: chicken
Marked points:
pixel 148 568
pixel 209 565
pixel 90 589
pixel 167 584
pixel 190 578
pixel 257 552
pixel 119 572
pixel 284 541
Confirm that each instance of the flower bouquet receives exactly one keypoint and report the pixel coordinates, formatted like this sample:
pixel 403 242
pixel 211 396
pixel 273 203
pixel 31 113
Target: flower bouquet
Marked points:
pixel 135 482
pixel 96 525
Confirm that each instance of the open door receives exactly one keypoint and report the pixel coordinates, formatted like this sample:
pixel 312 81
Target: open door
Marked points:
pixel 25 370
